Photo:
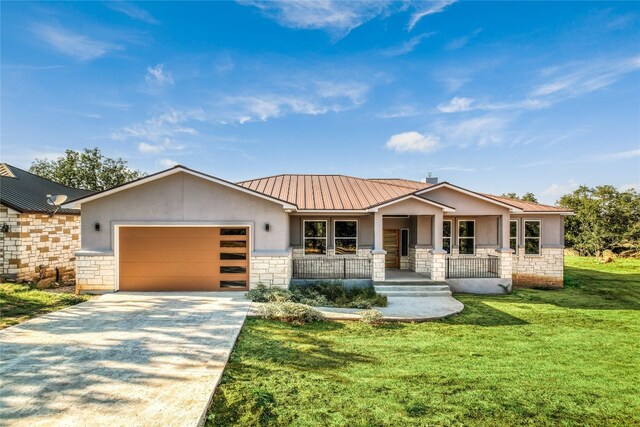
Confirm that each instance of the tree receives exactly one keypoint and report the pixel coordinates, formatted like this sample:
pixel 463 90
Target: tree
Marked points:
pixel 528 197
pixel 89 170
pixel 605 218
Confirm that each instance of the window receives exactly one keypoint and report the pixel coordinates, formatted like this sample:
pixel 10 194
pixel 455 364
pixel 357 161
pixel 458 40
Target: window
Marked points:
pixel 532 237
pixel 466 237
pixel 346 237
pixel 315 237
pixel 513 235
pixel 404 242
pixel 446 235
pixel 233 231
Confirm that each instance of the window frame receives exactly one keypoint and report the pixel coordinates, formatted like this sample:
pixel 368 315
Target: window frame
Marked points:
pixel 517 221
pixel 402 230
pixel 450 221
pixel 326 237
pixel 357 235
pixel 473 238
pixel 524 236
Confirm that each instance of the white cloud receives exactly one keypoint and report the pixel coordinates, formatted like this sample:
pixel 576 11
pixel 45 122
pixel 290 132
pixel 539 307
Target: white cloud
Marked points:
pixel 619 155
pixel 430 8
pixel 399 112
pixel 482 131
pixel 461 42
pixel 557 190
pixel 133 11
pixel 159 133
pixel 631 186
pixel 166 163
pixel 585 77
pixel 456 105
pixel 319 98
pixel 407 46
pixel 72 44
pixel 158 76
pixel 413 142
pixel 340 17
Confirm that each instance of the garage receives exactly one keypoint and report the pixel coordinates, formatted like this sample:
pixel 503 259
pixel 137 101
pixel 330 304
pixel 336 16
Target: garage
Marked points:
pixel 162 259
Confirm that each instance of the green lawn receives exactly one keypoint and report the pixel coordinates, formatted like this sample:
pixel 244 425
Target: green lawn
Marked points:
pixel 536 357
pixel 19 303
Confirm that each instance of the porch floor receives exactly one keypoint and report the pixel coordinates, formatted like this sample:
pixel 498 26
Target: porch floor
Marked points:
pixel 396 275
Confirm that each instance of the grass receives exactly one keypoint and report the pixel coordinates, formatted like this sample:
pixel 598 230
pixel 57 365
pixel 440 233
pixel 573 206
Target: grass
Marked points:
pixel 536 357
pixel 19 303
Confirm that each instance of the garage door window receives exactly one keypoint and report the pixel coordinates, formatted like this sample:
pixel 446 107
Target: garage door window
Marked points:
pixel 233 231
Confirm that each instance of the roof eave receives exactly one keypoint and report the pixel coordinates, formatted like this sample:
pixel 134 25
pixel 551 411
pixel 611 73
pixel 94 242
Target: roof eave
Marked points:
pixel 75 204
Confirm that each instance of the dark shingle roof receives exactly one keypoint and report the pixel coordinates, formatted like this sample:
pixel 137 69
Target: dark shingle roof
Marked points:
pixel 26 192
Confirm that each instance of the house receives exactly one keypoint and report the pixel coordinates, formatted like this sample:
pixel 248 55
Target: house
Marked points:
pixel 38 241
pixel 181 229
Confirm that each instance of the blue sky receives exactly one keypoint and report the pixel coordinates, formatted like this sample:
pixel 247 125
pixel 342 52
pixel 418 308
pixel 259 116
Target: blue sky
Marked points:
pixel 493 96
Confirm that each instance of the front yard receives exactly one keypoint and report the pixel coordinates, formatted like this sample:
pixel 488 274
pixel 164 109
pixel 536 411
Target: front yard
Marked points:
pixel 536 357
pixel 19 303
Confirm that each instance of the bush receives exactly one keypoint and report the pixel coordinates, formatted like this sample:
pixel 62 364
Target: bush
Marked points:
pixel 371 317
pixel 327 294
pixel 330 294
pixel 265 294
pixel 291 312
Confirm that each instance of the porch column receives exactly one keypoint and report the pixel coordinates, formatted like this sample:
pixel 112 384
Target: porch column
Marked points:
pixel 438 255
pixel 437 230
pixel 504 251
pixel 378 253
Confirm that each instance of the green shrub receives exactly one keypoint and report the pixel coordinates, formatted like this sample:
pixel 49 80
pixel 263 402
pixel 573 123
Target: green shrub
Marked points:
pixel 332 294
pixel 323 294
pixel 291 312
pixel 371 317
pixel 265 294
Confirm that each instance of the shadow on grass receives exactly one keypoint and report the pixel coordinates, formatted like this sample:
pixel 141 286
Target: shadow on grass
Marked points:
pixel 274 348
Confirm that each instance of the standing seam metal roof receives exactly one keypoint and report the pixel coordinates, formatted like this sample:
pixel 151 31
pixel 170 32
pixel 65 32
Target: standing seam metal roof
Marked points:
pixel 26 192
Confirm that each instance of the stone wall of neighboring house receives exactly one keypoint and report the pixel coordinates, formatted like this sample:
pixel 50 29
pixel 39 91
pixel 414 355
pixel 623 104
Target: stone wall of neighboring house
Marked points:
pixel 544 270
pixel 39 248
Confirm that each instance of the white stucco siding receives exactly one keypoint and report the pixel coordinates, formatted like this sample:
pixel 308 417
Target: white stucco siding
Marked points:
pixel 464 204
pixel 183 198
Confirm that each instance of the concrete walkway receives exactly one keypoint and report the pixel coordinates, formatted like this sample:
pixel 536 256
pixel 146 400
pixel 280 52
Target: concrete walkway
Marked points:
pixel 400 309
pixel 124 359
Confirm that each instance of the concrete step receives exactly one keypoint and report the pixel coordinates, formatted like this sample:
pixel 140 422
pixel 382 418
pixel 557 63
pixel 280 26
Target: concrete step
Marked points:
pixel 403 289
pixel 410 283
pixel 411 288
pixel 416 293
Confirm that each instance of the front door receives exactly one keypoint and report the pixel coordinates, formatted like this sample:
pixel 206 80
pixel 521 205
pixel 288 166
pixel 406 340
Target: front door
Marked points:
pixel 391 244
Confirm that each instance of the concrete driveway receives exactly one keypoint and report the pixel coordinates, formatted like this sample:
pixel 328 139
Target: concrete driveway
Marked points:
pixel 120 360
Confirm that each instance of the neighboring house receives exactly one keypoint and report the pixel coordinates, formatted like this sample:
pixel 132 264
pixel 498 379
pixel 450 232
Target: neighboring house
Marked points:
pixel 180 229
pixel 37 242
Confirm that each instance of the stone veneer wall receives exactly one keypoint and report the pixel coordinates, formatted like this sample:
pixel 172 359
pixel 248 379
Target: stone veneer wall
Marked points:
pixel 271 270
pixel 96 273
pixel 422 260
pixel 545 270
pixel 37 244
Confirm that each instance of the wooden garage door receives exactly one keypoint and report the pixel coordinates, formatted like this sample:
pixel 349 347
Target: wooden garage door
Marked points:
pixel 183 258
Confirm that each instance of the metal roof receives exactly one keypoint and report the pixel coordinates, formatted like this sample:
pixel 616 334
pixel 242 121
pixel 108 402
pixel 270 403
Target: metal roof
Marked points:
pixel 25 192
pixel 332 192
pixel 340 192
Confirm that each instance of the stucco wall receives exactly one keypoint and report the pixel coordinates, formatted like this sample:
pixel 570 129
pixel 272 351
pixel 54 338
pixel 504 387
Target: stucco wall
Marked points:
pixel 184 198
pixel 37 244
pixel 365 228
pixel 552 228
pixel 463 203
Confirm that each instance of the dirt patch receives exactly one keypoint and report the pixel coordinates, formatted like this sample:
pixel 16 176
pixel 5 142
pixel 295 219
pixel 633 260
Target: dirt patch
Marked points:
pixel 537 282
pixel 62 290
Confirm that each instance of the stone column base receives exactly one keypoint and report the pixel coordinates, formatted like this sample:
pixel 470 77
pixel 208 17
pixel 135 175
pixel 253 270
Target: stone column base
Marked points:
pixel 438 264
pixel 378 265
pixel 95 273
